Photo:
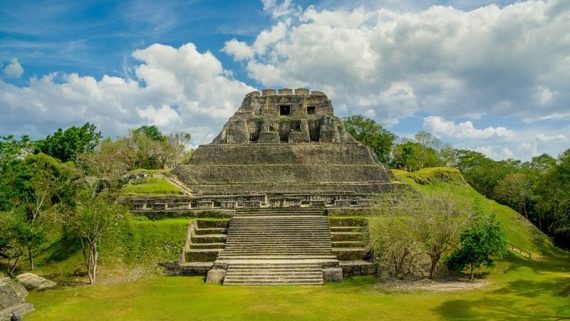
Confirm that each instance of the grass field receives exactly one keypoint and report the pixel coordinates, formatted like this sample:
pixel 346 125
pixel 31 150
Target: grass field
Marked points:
pixel 516 289
pixel 152 186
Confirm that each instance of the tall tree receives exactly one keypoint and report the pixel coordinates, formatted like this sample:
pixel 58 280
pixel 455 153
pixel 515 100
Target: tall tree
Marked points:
pixel 515 190
pixel 372 134
pixel 65 145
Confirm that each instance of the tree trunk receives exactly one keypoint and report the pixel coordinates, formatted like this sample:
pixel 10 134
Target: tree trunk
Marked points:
pixel 93 258
pixel 31 258
pixel 434 260
pixel 13 268
pixel 472 271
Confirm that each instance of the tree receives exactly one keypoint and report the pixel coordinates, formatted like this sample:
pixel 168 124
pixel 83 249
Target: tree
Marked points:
pixel 416 228
pixel 11 247
pixel 553 200
pixel 65 145
pixel 478 246
pixel 413 156
pixel 396 249
pixel 151 132
pixel 515 191
pixel 372 134
pixel 437 224
pixel 39 182
pixel 91 219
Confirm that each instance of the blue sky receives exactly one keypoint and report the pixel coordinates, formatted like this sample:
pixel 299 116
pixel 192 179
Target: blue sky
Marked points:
pixel 487 75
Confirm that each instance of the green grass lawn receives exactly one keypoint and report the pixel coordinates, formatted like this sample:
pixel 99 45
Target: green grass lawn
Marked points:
pixel 152 186
pixel 517 290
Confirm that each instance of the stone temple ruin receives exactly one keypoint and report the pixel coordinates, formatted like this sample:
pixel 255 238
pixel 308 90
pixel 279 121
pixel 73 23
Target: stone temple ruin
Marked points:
pixel 280 166
pixel 283 149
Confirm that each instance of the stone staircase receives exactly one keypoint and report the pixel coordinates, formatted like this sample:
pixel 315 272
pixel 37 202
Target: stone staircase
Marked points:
pixel 204 242
pixel 277 246
pixel 350 244
pixel 274 273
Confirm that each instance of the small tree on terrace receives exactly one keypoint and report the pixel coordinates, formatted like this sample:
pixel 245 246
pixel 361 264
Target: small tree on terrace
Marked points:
pixel 478 246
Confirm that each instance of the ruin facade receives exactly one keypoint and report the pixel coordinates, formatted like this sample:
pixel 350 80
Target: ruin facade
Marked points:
pixel 283 148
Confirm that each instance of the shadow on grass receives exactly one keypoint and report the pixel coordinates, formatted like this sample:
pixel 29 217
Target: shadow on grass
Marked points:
pixel 525 298
pixel 538 266
pixel 62 250
pixel 490 309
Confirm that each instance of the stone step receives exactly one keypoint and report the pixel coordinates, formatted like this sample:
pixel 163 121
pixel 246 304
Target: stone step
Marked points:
pixel 282 259
pixel 210 230
pixel 345 244
pixel 350 254
pixel 348 222
pixel 357 267
pixel 274 282
pixel 349 229
pixel 272 273
pixel 198 246
pixel 212 223
pixel 209 238
pixel 202 255
pixel 267 273
pixel 347 236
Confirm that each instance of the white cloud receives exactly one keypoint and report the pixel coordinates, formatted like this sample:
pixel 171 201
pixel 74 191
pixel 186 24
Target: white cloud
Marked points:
pixel 544 96
pixel 489 151
pixel 528 148
pixel 174 88
pixel 550 138
pixel 13 69
pixel 277 8
pixel 511 60
pixel 440 126
pixel 238 49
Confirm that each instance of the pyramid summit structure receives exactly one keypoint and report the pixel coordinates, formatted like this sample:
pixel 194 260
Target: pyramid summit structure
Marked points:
pixel 283 148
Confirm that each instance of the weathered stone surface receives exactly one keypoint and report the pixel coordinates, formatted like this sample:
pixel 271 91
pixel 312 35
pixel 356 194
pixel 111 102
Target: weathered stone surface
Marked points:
pixel 284 144
pixel 34 282
pixel 332 274
pixel 216 276
pixel 12 295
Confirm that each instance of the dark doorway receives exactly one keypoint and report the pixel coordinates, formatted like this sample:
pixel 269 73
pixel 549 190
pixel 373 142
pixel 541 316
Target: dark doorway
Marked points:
pixel 311 110
pixel 284 110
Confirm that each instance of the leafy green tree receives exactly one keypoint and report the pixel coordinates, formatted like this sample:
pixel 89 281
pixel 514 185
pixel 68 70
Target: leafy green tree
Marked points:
pixel 553 200
pixel 372 134
pixel 38 182
pixel 151 132
pixel 65 145
pixel 11 247
pixel 12 153
pixel 542 162
pixel 478 246
pixel 413 156
pixel 515 191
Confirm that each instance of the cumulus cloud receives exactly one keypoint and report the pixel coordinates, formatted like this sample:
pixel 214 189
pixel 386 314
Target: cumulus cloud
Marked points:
pixel 550 138
pixel 440 126
pixel 13 69
pixel 511 60
pixel 238 49
pixel 174 88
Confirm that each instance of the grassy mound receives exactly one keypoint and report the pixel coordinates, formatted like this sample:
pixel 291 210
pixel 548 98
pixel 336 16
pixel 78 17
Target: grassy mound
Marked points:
pixel 519 231
pixel 151 186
